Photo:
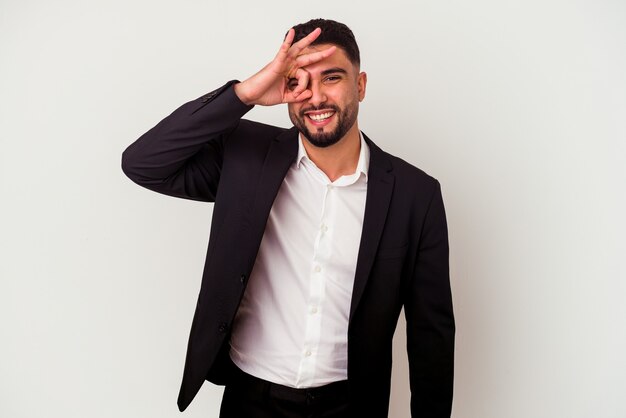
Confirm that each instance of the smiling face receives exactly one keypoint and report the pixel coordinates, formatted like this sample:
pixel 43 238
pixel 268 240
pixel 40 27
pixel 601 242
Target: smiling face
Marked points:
pixel 331 112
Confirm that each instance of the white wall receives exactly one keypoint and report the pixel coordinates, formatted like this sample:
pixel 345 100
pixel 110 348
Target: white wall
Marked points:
pixel 517 107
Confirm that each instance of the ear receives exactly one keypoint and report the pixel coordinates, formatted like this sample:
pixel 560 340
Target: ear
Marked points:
pixel 361 84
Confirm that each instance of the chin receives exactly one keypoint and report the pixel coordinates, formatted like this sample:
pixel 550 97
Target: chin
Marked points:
pixel 324 139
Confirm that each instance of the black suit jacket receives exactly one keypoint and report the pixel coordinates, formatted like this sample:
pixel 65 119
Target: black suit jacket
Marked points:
pixel 205 151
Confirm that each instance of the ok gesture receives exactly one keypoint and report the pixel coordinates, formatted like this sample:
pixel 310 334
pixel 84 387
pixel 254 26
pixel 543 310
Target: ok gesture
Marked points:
pixel 284 80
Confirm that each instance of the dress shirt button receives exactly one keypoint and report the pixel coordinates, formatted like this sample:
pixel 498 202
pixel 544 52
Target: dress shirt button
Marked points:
pixel 317 269
pixel 308 353
pixel 223 327
pixel 314 309
pixel 242 279
pixel 324 228
pixel 329 186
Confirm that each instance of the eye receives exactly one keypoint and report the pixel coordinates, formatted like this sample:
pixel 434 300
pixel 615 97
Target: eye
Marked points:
pixel 332 79
pixel 292 83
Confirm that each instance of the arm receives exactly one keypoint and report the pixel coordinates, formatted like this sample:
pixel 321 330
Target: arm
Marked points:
pixel 182 155
pixel 430 320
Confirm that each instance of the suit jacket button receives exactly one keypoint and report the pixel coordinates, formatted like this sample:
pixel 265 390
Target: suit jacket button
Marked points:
pixel 223 327
pixel 208 97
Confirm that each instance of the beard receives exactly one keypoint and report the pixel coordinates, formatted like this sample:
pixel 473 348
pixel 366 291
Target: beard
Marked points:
pixel 345 120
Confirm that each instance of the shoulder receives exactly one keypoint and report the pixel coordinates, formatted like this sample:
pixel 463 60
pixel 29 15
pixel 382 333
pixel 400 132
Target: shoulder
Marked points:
pixel 252 141
pixel 251 134
pixel 253 127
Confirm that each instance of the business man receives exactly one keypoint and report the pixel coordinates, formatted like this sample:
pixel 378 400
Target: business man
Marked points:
pixel 318 239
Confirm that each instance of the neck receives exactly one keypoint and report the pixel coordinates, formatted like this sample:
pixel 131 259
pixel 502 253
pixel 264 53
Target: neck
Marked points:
pixel 339 159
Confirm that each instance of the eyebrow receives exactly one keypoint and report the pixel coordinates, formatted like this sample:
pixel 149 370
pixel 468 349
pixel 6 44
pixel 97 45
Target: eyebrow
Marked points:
pixel 334 70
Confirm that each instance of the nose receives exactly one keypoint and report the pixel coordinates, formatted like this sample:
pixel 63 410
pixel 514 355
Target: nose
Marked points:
pixel 318 97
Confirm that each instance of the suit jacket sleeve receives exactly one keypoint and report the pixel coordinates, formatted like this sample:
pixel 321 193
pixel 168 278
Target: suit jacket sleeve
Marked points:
pixel 182 155
pixel 430 319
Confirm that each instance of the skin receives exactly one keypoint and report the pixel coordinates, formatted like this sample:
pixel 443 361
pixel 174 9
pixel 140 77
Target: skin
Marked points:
pixel 314 80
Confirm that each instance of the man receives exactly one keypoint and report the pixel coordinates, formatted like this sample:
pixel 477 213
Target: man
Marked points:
pixel 318 239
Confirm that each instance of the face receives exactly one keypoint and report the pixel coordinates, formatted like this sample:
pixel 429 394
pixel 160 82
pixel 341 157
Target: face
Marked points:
pixel 331 112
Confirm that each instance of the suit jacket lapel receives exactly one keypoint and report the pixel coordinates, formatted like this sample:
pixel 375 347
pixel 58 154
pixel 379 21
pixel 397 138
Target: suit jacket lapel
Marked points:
pixel 379 190
pixel 282 153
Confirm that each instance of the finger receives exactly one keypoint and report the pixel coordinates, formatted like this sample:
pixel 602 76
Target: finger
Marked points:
pixel 290 98
pixel 313 57
pixel 284 47
pixel 296 48
pixel 303 78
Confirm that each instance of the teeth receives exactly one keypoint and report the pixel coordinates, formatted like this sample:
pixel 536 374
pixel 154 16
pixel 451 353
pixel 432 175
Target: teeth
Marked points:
pixel 322 116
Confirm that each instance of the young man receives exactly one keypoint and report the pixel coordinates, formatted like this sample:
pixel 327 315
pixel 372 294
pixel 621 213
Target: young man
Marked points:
pixel 318 239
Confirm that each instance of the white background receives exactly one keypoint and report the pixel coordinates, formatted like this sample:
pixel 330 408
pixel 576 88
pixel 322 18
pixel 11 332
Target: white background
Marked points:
pixel 517 107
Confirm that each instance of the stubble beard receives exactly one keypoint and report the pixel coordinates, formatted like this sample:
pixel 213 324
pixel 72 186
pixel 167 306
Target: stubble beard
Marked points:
pixel 321 139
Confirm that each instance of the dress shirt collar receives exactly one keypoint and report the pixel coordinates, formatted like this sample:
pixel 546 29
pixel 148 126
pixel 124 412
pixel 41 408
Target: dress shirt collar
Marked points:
pixel 362 165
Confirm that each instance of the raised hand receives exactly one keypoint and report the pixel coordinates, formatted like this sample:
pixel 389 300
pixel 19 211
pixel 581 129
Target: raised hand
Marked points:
pixel 284 80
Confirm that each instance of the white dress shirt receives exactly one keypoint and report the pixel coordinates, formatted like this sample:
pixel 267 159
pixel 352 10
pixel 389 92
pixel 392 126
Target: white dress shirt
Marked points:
pixel 292 325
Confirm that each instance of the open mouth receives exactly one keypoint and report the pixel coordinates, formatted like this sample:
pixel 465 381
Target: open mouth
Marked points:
pixel 320 118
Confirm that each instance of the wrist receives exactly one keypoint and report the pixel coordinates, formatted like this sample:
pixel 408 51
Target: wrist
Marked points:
pixel 240 91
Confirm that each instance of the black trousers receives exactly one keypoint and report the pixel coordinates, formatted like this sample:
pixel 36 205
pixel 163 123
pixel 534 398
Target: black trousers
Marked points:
pixel 246 396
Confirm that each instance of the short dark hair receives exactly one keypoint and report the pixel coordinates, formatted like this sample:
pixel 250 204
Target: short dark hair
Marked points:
pixel 332 33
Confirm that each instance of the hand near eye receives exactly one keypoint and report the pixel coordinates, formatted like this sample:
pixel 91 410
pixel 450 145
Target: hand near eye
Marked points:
pixel 284 80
